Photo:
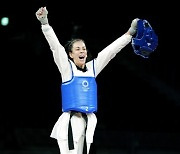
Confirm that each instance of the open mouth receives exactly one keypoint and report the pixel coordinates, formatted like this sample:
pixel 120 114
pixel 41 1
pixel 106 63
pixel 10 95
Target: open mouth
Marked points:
pixel 81 57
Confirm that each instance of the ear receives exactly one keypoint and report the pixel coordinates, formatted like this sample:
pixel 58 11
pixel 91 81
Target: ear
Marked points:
pixel 70 55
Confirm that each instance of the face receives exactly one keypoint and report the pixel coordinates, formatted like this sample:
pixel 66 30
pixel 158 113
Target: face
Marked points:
pixel 79 53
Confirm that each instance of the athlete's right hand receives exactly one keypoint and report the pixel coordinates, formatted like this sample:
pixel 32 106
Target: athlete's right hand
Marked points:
pixel 41 15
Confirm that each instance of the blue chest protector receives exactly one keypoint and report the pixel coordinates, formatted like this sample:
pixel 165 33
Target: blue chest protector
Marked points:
pixel 79 94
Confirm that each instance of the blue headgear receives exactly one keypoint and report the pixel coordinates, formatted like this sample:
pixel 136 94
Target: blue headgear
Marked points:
pixel 146 40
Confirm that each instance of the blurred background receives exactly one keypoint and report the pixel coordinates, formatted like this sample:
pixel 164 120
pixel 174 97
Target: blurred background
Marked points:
pixel 139 99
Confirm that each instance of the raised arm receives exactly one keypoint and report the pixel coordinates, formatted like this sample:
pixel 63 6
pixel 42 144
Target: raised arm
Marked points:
pixel 59 53
pixel 111 50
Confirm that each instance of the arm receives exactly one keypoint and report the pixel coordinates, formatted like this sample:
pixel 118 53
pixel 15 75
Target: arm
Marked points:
pixel 111 50
pixel 59 53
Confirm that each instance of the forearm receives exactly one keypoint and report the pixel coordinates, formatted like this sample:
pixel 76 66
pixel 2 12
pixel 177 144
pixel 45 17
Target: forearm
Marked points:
pixel 51 38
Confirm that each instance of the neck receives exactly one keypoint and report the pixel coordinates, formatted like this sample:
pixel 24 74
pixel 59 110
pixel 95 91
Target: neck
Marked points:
pixel 83 69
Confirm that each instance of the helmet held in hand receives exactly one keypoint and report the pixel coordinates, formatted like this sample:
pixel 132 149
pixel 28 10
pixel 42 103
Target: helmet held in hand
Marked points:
pixel 145 42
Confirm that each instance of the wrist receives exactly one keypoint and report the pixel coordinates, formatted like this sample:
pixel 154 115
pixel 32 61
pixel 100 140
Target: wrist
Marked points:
pixel 44 21
pixel 131 31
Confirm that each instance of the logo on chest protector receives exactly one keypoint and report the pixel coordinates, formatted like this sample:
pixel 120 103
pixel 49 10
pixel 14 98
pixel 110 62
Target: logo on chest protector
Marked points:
pixel 85 85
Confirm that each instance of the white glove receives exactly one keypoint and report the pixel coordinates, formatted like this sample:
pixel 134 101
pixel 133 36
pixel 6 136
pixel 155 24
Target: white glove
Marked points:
pixel 132 30
pixel 41 15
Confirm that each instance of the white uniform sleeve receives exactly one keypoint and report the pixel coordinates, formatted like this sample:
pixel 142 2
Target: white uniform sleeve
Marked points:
pixel 110 52
pixel 59 53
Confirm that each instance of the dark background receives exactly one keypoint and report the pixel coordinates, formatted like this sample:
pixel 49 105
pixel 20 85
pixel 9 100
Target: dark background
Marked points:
pixel 137 96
